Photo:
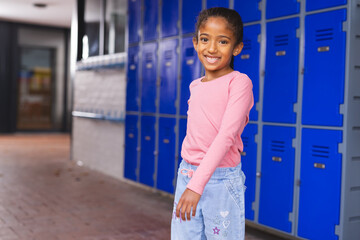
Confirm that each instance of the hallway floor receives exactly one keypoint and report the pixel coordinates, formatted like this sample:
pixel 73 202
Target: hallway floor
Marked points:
pixel 45 196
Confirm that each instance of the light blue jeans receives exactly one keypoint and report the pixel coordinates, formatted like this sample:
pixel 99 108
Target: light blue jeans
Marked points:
pixel 220 213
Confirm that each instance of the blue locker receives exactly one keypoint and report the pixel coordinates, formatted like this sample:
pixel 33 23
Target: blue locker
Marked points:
pixel 277 177
pixel 324 73
pixel 248 62
pixel 170 17
pixel 131 139
pixel 190 70
pixel 134 20
pixel 190 10
pixel 168 76
pixel 149 65
pixel 166 159
pixel 320 184
pixel 147 158
pixel 281 74
pixel 217 3
pixel 182 134
pixel 248 164
pixel 132 86
pixel 248 10
pixel 319 4
pixel 280 8
pixel 150 20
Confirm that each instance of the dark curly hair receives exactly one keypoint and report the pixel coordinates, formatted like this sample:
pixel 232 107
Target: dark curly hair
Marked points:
pixel 232 17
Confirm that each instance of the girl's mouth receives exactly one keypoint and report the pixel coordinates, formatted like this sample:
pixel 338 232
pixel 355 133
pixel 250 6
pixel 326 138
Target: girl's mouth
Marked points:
pixel 211 59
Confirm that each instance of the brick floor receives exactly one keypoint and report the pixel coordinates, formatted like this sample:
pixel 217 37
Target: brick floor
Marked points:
pixel 45 196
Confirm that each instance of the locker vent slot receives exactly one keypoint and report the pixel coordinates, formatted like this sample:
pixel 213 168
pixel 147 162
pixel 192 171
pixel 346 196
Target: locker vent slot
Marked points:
pixel 168 54
pixel 324 34
pixel 245 141
pixel 355 158
pixel 281 40
pixel 148 57
pixel 189 52
pixel 320 151
pixel 278 146
pixel 357 188
pixel 247 44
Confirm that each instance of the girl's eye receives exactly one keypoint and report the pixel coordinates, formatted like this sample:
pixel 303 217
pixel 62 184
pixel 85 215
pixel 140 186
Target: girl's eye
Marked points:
pixel 223 42
pixel 204 39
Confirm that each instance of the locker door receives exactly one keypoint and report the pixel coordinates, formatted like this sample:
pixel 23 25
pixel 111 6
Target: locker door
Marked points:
pixel 134 20
pixel 217 3
pixel 248 62
pixel 248 164
pixel 170 17
pixel 149 65
pixel 281 75
pixel 150 19
pixel 320 189
pixel 319 4
pixel 166 159
pixel 190 70
pixel 248 10
pixel 169 76
pixel 132 87
pixel 131 150
pixel 280 8
pixel 147 158
pixel 182 134
pixel 324 74
pixel 190 10
pixel 277 177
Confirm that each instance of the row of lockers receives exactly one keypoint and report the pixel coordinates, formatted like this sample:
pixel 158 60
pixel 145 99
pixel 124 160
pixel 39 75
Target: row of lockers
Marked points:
pixel 319 204
pixel 323 81
pixel 248 9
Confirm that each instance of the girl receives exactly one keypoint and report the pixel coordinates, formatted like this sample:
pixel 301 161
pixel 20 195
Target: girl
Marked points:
pixel 209 197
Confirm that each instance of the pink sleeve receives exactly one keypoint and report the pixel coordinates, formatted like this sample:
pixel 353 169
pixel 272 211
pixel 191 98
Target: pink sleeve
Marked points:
pixel 235 118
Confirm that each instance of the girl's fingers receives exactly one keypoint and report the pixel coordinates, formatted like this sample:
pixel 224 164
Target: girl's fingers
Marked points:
pixel 178 207
pixel 188 212
pixel 194 210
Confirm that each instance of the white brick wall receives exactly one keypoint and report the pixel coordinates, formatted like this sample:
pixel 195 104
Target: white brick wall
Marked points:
pixel 99 144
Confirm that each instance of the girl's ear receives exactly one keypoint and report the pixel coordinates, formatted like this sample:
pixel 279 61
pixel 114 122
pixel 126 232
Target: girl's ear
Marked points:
pixel 195 43
pixel 238 48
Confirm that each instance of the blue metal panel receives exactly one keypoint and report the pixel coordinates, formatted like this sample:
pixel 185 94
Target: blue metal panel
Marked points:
pixel 217 3
pixel 248 164
pixel 248 10
pixel 150 19
pixel 134 20
pixel 248 62
pixel 149 65
pixel 324 74
pixel 280 8
pixel 182 134
pixel 190 10
pixel 169 76
pixel 319 4
pixel 190 70
pixel 147 159
pixel 320 177
pixel 131 138
pixel 277 177
pixel 166 159
pixel 170 16
pixel 281 74
pixel 132 87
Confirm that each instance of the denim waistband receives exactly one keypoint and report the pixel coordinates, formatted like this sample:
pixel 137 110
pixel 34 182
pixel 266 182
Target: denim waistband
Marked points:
pixel 220 173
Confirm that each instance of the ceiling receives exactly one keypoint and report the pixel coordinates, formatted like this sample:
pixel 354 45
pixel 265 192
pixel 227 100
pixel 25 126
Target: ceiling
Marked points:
pixel 57 13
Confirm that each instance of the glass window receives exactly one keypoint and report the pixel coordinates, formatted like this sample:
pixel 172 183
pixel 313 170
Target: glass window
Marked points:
pixel 91 39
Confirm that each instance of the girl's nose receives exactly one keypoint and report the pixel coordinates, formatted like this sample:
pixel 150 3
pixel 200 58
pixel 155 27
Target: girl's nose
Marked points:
pixel 212 47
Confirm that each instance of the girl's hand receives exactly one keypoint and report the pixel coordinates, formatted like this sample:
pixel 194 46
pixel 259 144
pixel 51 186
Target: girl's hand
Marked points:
pixel 189 200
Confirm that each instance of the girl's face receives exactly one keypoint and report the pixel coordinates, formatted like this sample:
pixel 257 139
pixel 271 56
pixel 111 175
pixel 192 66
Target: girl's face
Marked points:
pixel 215 45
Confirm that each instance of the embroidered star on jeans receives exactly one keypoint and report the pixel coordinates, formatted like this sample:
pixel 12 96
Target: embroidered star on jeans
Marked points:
pixel 216 230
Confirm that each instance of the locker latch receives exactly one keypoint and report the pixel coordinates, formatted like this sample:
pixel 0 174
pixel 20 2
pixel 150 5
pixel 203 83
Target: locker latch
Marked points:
pixel 243 153
pixel 323 49
pixel 245 56
pixel 280 53
pixel 319 165
pixel 277 159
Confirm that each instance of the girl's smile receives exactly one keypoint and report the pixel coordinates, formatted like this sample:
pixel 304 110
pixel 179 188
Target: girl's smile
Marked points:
pixel 215 45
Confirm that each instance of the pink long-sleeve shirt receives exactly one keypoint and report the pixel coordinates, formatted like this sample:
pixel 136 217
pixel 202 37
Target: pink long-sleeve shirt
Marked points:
pixel 218 112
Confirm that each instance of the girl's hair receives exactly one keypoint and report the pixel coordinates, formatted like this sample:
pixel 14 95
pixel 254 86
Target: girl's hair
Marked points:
pixel 232 17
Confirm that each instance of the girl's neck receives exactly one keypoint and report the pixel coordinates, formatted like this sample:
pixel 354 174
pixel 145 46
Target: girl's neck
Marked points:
pixel 209 76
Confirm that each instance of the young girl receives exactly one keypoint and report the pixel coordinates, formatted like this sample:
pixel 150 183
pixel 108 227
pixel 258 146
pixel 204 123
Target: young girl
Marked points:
pixel 209 197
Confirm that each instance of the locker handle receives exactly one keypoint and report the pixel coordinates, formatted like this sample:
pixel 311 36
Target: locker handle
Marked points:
pixel 131 135
pixel 190 62
pixel 319 165
pixel 323 49
pixel 149 65
pixel 132 67
pixel 277 159
pixel 166 141
pixel 280 53
pixel 147 138
pixel 168 64
pixel 243 153
pixel 245 56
